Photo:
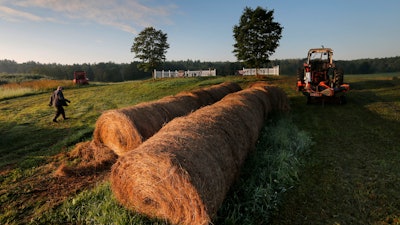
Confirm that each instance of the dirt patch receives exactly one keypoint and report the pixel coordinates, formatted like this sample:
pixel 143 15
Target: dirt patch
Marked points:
pixel 48 186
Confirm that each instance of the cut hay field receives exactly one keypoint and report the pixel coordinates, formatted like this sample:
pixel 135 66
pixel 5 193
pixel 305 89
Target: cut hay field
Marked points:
pixel 314 165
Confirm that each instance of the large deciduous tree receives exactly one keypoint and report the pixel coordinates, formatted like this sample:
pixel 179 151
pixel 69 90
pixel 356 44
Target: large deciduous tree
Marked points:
pixel 257 36
pixel 150 46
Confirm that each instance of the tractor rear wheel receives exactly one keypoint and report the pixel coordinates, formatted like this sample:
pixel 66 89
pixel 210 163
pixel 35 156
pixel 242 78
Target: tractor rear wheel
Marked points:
pixel 338 77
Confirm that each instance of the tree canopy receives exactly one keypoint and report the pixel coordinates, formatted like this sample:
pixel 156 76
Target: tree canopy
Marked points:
pixel 257 36
pixel 150 46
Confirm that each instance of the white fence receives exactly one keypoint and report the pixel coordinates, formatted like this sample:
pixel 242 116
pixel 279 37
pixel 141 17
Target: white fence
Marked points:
pixel 261 71
pixel 184 73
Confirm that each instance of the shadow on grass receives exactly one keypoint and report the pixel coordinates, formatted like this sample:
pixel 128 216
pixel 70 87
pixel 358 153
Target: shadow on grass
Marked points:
pixel 351 176
pixel 27 145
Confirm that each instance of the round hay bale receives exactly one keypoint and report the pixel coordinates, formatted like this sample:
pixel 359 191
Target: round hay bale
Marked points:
pixel 217 92
pixel 202 96
pixel 262 84
pixel 116 130
pixel 231 86
pixel 278 97
pixel 124 129
pixel 209 95
pixel 184 171
pixel 178 105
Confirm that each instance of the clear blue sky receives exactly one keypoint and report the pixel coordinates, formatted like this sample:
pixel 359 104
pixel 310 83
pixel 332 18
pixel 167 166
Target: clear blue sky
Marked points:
pixel 93 31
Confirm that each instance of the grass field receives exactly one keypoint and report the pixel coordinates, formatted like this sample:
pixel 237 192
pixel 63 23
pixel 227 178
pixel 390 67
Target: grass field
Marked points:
pixel 352 174
pixel 316 165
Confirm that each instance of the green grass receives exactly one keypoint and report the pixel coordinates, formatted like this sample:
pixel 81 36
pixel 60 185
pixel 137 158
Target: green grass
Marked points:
pixel 352 174
pixel 349 175
pixel 268 173
pixel 96 206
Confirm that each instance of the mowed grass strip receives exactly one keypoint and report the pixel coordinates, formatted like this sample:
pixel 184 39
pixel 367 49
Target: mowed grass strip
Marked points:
pixel 352 175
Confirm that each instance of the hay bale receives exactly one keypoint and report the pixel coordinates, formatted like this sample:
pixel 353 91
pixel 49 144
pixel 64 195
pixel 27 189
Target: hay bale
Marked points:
pixel 217 92
pixel 184 171
pixel 278 97
pixel 126 128
pixel 214 93
pixel 202 96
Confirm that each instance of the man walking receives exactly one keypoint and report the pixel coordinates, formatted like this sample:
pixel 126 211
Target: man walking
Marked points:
pixel 57 100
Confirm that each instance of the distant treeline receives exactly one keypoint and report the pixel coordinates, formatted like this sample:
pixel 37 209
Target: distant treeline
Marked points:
pixel 113 72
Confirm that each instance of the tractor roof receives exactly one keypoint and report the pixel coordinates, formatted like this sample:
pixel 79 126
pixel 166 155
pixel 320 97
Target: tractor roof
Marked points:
pixel 319 50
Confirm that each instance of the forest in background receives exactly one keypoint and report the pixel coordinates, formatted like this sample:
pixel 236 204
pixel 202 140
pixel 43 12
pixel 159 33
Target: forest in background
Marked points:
pixel 114 72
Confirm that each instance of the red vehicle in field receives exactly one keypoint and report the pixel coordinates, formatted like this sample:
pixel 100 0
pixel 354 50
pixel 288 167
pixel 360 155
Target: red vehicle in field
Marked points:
pixel 320 79
pixel 80 77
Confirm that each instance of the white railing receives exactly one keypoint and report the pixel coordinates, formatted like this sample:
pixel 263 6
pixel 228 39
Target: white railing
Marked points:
pixel 184 73
pixel 260 71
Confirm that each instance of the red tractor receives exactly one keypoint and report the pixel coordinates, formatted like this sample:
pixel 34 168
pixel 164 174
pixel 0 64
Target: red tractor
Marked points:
pixel 80 77
pixel 319 79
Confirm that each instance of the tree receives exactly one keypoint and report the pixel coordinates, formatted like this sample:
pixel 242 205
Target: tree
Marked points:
pixel 150 47
pixel 257 36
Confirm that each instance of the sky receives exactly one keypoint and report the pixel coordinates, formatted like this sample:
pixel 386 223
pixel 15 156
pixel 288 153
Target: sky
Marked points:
pixel 94 31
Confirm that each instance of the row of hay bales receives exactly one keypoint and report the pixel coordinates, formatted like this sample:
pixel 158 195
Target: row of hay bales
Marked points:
pixel 184 171
pixel 121 130
pixel 125 129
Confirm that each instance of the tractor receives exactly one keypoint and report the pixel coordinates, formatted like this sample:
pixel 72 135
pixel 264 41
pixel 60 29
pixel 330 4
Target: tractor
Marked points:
pixel 80 77
pixel 319 79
